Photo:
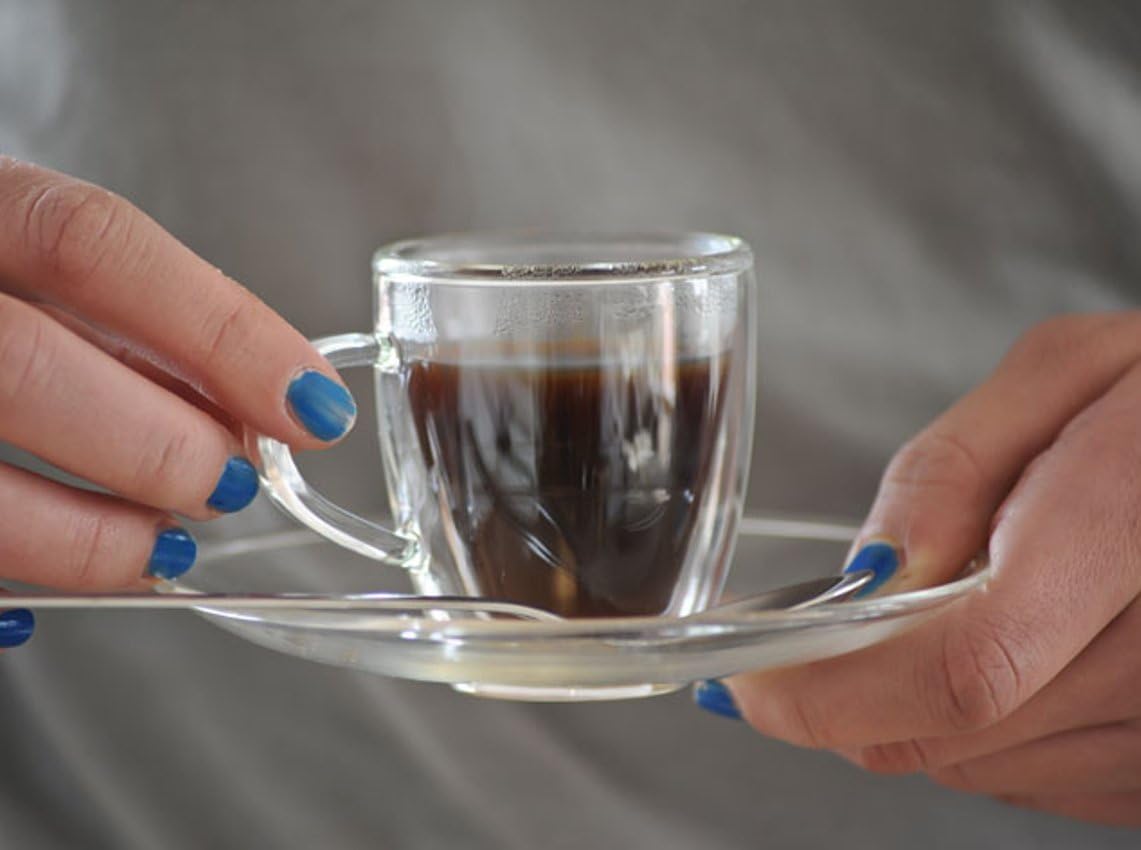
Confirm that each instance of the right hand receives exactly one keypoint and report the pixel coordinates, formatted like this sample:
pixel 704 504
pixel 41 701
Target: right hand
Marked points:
pixel 130 362
pixel 1028 690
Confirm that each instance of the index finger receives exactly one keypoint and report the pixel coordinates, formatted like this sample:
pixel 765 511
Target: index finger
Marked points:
pixel 79 246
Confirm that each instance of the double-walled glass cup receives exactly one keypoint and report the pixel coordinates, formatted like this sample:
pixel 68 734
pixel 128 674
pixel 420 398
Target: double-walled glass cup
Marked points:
pixel 564 421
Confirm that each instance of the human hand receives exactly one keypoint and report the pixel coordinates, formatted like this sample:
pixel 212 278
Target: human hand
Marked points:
pixel 128 361
pixel 1029 690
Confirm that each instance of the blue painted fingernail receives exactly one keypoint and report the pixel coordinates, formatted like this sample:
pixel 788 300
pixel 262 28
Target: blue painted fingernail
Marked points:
pixel 715 697
pixel 881 558
pixel 322 406
pixel 16 626
pixel 236 488
pixel 174 552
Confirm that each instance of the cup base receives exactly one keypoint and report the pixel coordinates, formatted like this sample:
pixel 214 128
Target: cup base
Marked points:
pixel 525 693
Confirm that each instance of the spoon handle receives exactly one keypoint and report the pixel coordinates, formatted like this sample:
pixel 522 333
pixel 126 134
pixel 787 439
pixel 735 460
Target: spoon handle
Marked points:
pixel 264 601
pixel 795 597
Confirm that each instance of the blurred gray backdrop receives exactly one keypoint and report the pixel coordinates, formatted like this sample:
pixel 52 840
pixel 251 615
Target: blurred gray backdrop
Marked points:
pixel 921 181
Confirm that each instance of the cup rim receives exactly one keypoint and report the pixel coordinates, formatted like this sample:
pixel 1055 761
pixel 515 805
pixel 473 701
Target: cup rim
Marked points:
pixel 649 256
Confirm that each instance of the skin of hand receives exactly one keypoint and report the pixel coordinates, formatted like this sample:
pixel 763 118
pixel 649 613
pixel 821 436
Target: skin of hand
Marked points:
pixel 1029 690
pixel 133 364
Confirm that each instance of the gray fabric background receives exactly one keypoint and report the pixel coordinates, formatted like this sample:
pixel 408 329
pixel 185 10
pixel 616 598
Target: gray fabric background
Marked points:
pixel 921 181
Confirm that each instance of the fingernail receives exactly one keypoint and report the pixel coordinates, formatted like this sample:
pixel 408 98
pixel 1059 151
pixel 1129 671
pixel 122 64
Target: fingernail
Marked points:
pixel 174 552
pixel 713 696
pixel 322 406
pixel 881 558
pixel 236 488
pixel 16 626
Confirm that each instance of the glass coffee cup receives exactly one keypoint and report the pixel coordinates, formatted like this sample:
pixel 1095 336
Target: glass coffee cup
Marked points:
pixel 564 421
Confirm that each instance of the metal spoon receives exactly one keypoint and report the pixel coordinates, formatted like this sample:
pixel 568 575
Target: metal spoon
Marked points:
pixel 795 597
pixel 792 598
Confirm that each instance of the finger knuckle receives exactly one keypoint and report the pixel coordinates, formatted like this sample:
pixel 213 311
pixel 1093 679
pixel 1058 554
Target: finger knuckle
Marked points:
pixel 977 681
pixel 94 542
pixel 230 329
pixel 26 355
pixel 792 718
pixel 958 777
pixel 1103 435
pixel 163 460
pixel 71 228
pixel 1046 341
pixel 936 459
pixel 1062 341
pixel 895 758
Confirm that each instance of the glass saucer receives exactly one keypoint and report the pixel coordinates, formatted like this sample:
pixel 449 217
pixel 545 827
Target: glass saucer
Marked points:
pixel 587 659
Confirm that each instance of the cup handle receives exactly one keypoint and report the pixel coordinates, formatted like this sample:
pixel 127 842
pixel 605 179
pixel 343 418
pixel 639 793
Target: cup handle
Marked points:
pixel 290 492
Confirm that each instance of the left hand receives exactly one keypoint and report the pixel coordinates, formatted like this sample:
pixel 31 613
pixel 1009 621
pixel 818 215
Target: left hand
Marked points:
pixel 1028 690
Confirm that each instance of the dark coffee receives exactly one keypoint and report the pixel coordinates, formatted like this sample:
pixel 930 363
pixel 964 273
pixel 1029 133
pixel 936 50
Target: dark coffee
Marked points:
pixel 573 488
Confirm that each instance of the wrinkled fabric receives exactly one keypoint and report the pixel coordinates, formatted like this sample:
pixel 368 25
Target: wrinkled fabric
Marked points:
pixel 921 182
